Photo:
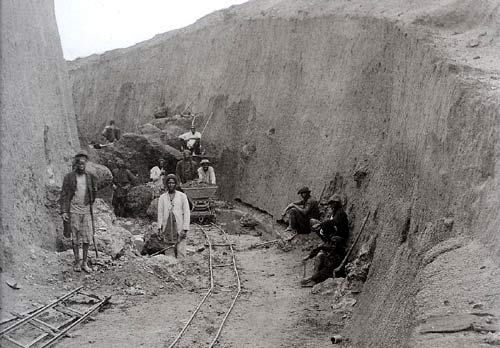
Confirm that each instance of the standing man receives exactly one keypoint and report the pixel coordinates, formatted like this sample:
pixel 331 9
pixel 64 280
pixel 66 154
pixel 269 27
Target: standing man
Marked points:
pixel 156 173
pixel 206 173
pixel 300 213
pixel 191 140
pixel 186 169
pixel 156 176
pixel 123 179
pixel 77 196
pixel 174 216
pixel 111 132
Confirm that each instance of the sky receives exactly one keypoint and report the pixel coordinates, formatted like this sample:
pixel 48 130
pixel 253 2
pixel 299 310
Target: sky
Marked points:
pixel 95 26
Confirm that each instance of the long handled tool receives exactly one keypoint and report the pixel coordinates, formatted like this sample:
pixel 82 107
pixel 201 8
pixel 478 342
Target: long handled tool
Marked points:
pixel 93 231
pixel 344 261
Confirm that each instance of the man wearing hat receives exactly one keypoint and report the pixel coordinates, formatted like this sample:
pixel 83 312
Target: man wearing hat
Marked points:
pixel 123 180
pixel 334 232
pixel 300 213
pixel 77 196
pixel 206 173
pixel 336 225
pixel 174 216
pixel 186 169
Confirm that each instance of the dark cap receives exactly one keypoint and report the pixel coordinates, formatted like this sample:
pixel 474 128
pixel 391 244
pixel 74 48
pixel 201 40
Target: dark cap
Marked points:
pixel 304 189
pixel 82 153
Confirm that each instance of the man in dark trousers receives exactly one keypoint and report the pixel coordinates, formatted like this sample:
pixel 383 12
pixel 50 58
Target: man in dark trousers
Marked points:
pixel 123 179
pixel 186 169
pixel 334 232
pixel 77 196
pixel 300 213
pixel 112 133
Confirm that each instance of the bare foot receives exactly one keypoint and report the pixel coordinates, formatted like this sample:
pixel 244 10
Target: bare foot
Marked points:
pixel 77 267
pixel 86 268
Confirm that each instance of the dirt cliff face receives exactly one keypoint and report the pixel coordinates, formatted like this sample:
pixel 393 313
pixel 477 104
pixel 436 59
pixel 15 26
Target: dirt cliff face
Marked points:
pixel 393 104
pixel 38 127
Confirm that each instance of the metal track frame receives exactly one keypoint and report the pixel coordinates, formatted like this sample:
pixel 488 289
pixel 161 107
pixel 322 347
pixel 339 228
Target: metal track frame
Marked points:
pixel 210 290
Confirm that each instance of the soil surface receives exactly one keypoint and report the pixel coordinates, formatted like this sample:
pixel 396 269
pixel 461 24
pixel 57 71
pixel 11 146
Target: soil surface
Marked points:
pixel 152 297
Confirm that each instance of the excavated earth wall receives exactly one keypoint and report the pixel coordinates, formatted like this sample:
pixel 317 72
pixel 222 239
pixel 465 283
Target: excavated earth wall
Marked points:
pixel 375 102
pixel 38 133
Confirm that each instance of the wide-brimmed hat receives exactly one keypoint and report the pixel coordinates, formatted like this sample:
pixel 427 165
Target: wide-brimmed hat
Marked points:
pixel 304 189
pixel 204 161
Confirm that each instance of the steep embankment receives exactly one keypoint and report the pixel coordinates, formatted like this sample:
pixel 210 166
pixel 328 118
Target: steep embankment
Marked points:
pixel 387 102
pixel 38 128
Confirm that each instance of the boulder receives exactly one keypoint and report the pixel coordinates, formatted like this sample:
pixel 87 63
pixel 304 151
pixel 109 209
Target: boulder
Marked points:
pixel 248 220
pixel 113 240
pixel 170 135
pixel 139 152
pixel 138 200
pixel 153 209
pixel 148 128
pixel 152 241
pixel 138 243
pixel 104 180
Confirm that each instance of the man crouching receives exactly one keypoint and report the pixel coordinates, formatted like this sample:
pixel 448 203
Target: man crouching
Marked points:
pixel 77 196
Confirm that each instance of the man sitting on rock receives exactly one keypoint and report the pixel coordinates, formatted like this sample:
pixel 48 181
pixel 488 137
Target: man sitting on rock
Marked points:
pixel 300 213
pixel 191 140
pixel 123 179
pixel 77 196
pixel 174 216
pixel 111 133
pixel 334 232
pixel 186 169
pixel 206 173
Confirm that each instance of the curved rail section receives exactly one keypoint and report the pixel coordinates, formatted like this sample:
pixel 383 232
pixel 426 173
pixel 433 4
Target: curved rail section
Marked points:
pixel 204 304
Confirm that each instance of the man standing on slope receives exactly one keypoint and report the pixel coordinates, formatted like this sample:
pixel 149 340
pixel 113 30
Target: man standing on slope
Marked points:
pixel 77 196
pixel 174 216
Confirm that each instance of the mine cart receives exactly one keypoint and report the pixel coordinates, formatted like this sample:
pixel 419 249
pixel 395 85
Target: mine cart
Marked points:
pixel 201 198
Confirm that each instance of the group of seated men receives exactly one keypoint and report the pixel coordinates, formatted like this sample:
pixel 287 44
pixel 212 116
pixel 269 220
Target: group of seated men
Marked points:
pixel 303 218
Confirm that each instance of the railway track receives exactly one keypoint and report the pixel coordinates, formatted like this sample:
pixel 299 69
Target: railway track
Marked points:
pixel 207 321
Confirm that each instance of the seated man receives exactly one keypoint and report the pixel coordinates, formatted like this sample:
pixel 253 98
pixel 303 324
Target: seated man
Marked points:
pixel 111 133
pixel 206 173
pixel 191 140
pixel 300 213
pixel 186 169
pixel 334 232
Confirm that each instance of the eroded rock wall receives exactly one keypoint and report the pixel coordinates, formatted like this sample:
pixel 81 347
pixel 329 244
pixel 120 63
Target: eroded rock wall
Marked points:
pixel 38 128
pixel 341 97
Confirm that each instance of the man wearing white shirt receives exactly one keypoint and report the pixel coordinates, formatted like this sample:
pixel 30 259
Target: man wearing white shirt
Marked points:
pixel 191 140
pixel 206 173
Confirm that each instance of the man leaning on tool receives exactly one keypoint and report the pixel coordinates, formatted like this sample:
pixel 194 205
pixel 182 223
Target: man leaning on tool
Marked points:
pixel 300 213
pixel 78 193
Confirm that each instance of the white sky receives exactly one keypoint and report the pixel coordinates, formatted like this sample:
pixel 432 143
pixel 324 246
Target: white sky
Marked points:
pixel 95 26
